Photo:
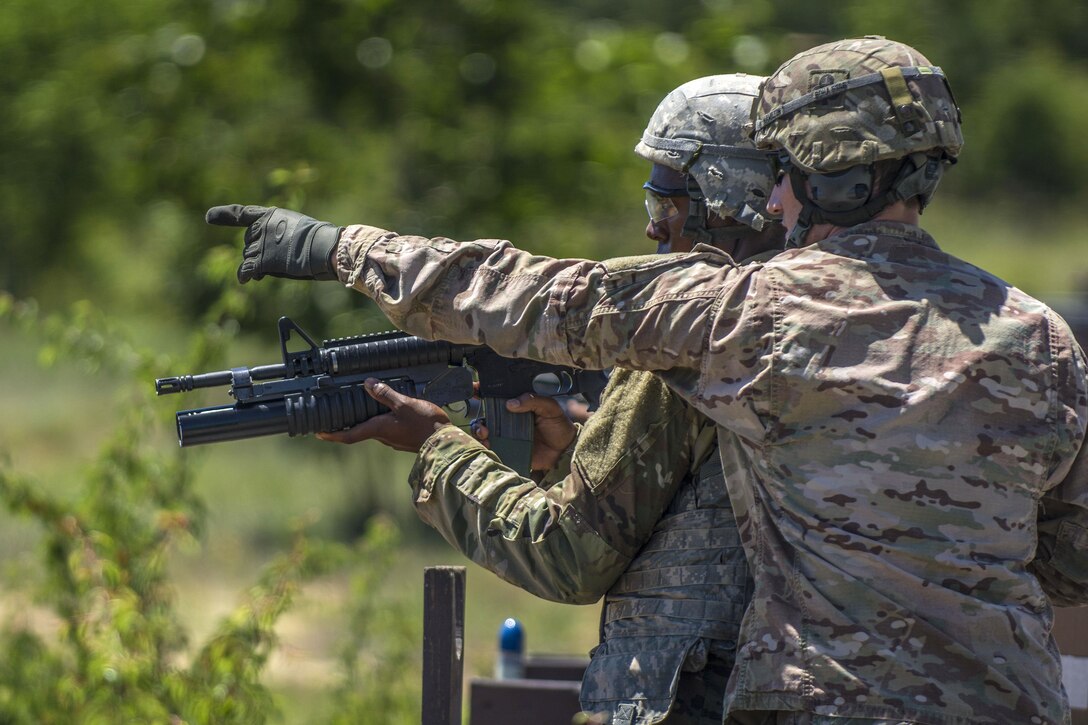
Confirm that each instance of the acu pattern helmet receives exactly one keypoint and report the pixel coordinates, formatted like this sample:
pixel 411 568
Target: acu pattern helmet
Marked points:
pixel 699 130
pixel 836 110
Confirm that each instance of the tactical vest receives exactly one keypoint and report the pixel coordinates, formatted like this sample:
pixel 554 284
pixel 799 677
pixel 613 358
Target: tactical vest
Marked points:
pixel 681 599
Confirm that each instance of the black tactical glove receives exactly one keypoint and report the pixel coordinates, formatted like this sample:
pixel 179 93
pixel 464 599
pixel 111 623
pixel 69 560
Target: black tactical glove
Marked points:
pixel 280 242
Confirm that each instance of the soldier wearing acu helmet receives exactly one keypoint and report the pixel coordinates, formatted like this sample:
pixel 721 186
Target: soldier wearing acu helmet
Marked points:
pixel 632 506
pixel 703 159
pixel 901 432
pixel 671 620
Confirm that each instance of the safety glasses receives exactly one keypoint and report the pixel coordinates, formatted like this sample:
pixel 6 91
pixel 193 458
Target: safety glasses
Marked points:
pixel 663 186
pixel 660 206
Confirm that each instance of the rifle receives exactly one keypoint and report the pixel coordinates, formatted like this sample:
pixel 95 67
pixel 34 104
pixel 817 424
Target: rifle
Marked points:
pixel 320 389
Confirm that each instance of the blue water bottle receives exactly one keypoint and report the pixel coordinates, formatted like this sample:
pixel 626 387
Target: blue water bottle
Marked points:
pixel 511 662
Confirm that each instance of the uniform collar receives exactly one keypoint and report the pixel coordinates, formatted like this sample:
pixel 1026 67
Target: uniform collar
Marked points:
pixel 864 234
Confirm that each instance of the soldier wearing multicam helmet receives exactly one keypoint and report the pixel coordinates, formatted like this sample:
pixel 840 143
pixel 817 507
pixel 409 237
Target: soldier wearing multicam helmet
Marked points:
pixel 861 126
pixel 902 432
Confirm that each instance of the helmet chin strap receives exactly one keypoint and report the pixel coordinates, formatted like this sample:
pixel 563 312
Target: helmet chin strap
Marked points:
pixel 796 237
pixel 695 226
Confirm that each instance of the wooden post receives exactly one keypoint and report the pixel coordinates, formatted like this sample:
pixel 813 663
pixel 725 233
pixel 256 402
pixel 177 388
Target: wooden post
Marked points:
pixel 443 644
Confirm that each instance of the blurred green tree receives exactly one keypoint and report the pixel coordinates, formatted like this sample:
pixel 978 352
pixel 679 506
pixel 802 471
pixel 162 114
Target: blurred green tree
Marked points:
pixel 475 118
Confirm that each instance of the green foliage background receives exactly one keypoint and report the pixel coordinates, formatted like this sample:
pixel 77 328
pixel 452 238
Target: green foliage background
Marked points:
pixel 124 121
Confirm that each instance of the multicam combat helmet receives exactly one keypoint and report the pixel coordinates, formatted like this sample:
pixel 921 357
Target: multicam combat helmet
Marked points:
pixel 851 104
pixel 698 131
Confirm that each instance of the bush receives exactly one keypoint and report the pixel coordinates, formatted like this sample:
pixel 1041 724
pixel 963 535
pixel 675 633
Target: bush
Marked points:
pixel 120 653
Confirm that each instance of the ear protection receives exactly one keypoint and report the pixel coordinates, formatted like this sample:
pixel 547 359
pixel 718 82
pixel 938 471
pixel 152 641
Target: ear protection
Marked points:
pixel 849 197
pixel 841 191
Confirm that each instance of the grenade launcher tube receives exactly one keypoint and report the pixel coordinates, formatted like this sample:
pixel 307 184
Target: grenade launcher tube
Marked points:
pixel 300 414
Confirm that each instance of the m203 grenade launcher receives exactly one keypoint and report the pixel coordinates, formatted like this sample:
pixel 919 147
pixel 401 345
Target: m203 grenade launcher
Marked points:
pixel 320 389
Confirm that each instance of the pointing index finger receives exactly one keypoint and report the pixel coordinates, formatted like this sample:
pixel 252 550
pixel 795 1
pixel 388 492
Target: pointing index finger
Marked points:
pixel 234 215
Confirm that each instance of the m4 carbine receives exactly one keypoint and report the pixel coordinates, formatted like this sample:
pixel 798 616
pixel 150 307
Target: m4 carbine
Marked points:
pixel 320 389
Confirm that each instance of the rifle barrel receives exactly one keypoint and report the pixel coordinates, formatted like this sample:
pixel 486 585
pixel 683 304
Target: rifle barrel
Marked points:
pixel 185 383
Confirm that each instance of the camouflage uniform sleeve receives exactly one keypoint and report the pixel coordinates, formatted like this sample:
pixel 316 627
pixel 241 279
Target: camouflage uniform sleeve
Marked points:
pixel 570 541
pixel 1061 559
pixel 646 313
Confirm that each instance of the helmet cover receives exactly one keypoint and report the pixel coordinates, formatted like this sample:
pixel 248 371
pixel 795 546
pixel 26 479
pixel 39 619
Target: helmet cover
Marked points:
pixel 699 129
pixel 854 102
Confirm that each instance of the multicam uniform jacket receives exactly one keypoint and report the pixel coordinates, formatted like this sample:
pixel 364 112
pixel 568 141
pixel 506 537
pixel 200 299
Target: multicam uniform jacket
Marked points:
pixel 567 538
pixel 902 425
pixel 637 509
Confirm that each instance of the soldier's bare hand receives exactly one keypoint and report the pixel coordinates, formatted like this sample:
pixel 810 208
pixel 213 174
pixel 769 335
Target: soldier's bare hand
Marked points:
pixel 406 427
pixel 553 432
